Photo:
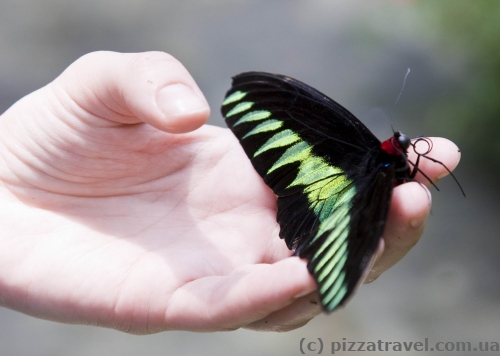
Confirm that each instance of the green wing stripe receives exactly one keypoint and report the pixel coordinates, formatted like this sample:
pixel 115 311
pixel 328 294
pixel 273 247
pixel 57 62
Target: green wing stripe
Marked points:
pixel 340 294
pixel 254 116
pixel 298 152
pixel 234 97
pixel 337 291
pixel 341 247
pixel 332 276
pixel 334 243
pixel 266 126
pixel 241 107
pixel 281 139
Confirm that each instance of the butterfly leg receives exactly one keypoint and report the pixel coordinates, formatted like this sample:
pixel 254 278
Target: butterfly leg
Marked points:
pixel 416 169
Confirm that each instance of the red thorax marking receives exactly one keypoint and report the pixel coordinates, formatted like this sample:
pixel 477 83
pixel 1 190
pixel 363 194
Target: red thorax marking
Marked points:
pixel 392 147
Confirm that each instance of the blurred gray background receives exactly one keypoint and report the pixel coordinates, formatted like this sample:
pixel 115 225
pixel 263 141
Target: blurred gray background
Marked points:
pixel 448 287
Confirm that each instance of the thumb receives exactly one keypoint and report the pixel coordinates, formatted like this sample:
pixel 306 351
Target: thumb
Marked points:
pixel 150 87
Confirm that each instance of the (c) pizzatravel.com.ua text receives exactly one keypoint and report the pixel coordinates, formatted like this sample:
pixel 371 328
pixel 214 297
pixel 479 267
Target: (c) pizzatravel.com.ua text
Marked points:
pixel 318 346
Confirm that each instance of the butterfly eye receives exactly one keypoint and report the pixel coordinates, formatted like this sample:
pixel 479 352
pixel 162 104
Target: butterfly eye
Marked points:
pixel 404 141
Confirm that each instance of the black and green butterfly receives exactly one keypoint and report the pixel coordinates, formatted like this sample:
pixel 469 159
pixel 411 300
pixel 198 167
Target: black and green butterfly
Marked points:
pixel 332 176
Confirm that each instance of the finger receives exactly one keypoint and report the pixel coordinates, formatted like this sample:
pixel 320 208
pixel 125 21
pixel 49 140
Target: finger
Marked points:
pixel 151 87
pixel 411 202
pixel 227 303
pixel 291 317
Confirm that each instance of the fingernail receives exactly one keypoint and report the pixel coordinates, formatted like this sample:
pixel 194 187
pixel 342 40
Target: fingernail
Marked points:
pixel 178 99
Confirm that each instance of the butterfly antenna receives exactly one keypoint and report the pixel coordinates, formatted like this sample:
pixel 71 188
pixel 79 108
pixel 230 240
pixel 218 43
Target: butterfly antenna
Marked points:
pixel 397 100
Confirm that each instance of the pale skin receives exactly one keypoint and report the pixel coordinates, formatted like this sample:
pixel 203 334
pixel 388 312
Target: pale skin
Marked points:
pixel 120 208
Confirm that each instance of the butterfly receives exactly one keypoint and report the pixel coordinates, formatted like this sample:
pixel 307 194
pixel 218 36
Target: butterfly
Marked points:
pixel 332 176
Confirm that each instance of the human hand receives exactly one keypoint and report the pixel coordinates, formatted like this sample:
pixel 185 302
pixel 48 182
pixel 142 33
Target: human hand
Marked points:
pixel 117 210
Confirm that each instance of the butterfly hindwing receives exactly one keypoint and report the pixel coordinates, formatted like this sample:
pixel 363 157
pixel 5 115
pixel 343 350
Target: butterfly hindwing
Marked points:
pixel 314 155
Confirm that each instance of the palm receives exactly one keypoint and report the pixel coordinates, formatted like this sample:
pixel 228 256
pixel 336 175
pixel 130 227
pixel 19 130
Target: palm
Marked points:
pixel 184 207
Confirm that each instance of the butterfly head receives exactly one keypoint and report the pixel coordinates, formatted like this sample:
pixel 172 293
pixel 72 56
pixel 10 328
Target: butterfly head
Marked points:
pixel 397 145
pixel 402 140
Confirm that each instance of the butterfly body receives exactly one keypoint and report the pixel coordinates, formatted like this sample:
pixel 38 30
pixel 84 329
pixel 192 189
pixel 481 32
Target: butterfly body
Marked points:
pixel 332 176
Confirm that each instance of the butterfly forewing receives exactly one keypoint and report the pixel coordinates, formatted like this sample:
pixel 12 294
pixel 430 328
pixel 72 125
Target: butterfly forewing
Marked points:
pixel 323 165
